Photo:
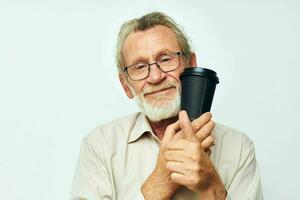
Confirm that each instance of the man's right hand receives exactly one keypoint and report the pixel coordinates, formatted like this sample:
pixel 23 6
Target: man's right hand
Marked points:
pixel 159 185
pixel 203 127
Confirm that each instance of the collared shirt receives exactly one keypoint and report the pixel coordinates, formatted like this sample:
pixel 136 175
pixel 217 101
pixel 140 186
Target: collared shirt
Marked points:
pixel 116 159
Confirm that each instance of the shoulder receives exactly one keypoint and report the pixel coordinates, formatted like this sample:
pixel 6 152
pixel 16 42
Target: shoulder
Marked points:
pixel 231 144
pixel 233 156
pixel 226 134
pixel 113 131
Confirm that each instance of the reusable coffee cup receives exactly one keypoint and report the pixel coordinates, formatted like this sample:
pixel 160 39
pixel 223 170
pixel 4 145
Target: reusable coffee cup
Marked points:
pixel 197 90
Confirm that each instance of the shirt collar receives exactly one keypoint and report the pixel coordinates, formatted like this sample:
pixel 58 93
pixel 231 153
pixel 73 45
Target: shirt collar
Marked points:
pixel 140 127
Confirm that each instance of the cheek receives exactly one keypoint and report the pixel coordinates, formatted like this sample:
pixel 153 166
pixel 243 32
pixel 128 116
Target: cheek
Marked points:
pixel 175 75
pixel 138 86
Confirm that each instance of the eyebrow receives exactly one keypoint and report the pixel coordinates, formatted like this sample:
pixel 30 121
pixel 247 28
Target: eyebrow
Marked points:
pixel 143 59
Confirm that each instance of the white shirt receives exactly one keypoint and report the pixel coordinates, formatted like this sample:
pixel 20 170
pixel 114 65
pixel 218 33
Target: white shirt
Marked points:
pixel 116 159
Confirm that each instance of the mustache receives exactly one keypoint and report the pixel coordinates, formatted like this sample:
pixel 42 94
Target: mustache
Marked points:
pixel 152 88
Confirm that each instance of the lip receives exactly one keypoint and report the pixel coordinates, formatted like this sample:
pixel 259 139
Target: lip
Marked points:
pixel 160 91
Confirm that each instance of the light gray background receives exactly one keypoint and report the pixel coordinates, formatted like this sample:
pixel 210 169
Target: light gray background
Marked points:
pixel 58 82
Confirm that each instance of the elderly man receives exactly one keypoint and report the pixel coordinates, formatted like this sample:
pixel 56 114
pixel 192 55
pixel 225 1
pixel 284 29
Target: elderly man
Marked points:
pixel 158 153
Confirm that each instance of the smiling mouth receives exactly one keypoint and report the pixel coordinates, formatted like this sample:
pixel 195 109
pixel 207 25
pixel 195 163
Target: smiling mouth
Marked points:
pixel 158 91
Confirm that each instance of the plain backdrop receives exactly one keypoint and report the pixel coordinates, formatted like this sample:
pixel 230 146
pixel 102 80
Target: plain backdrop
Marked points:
pixel 58 81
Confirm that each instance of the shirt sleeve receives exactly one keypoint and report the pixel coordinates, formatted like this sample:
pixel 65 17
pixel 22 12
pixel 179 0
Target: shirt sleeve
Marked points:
pixel 91 180
pixel 246 184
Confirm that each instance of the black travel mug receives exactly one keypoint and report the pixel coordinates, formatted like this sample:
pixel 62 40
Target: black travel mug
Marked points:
pixel 197 90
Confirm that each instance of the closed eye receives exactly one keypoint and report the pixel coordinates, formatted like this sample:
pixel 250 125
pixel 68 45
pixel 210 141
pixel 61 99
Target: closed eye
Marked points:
pixel 140 66
pixel 165 59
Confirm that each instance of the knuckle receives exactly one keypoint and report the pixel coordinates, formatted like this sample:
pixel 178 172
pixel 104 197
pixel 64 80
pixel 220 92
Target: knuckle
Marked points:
pixel 197 167
pixel 193 156
pixel 199 158
pixel 195 126
pixel 206 116
pixel 195 180
pixel 196 157
pixel 169 128
pixel 210 125
pixel 210 139
pixel 199 122
pixel 195 146
pixel 213 124
pixel 173 176
pixel 209 115
pixel 206 132
pixel 178 135
pixel 167 145
pixel 168 165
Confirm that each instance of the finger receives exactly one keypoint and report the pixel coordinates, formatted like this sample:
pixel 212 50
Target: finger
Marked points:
pixel 201 121
pixel 200 134
pixel 190 149
pixel 205 130
pixel 178 135
pixel 171 131
pixel 186 126
pixel 175 155
pixel 208 142
pixel 177 167
pixel 178 144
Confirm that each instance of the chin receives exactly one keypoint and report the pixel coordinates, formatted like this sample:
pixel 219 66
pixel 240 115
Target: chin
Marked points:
pixel 161 108
pixel 158 114
pixel 160 102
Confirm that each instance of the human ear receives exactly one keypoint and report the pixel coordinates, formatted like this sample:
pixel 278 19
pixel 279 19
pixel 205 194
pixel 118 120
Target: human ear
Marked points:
pixel 125 85
pixel 193 60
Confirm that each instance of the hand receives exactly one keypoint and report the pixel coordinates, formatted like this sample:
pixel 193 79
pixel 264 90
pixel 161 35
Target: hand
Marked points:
pixel 159 184
pixel 203 127
pixel 189 164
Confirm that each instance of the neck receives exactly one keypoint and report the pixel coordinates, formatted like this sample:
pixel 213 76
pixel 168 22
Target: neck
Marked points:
pixel 160 127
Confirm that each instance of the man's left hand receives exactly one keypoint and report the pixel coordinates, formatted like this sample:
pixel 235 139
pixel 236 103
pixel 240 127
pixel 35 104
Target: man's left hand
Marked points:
pixel 190 165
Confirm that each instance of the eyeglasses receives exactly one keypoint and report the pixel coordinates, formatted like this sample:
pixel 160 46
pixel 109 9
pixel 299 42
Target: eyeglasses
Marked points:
pixel 166 63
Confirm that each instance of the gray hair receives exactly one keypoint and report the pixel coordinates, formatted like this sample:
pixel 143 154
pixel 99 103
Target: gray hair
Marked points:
pixel 144 23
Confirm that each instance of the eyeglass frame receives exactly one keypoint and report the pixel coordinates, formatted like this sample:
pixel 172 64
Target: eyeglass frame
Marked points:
pixel 178 53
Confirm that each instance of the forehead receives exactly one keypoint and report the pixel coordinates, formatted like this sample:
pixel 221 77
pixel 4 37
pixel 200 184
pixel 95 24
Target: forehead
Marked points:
pixel 146 44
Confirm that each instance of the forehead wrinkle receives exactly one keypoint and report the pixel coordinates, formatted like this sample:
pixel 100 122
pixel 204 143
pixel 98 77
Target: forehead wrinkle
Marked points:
pixel 150 43
pixel 154 57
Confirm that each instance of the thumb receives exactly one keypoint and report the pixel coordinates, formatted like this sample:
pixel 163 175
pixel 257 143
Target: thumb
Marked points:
pixel 170 131
pixel 186 126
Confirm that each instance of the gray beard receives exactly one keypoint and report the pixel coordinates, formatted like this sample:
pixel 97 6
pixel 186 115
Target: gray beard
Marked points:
pixel 156 111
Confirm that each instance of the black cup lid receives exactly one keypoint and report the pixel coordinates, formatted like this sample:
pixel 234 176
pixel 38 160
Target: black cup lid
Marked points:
pixel 200 71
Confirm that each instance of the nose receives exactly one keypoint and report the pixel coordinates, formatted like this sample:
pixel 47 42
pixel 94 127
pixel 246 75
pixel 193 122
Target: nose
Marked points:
pixel 155 74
